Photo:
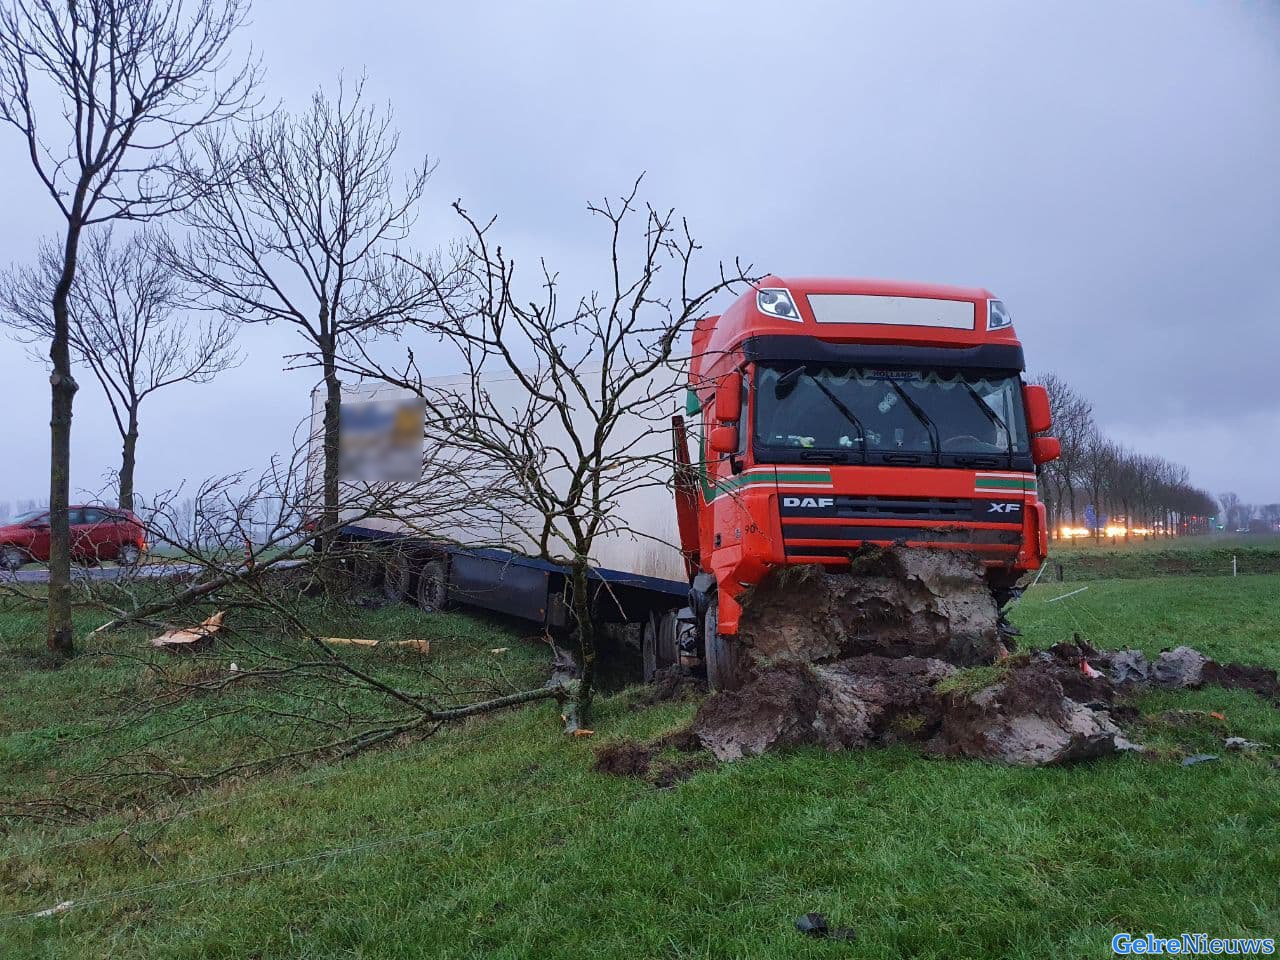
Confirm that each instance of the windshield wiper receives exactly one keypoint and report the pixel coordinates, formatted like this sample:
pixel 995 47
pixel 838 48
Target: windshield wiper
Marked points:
pixel 845 411
pixel 923 418
pixel 994 417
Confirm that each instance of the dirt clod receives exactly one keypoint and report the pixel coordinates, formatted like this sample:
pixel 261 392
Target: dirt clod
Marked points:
pixel 1179 667
pixel 898 603
pixel 671 684
pixel 1130 666
pixel 623 758
pixel 1238 676
pixel 644 761
pixel 907 648
pixel 1026 720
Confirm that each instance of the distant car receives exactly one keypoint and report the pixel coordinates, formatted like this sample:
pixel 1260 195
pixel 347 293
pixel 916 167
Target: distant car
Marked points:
pixel 97 533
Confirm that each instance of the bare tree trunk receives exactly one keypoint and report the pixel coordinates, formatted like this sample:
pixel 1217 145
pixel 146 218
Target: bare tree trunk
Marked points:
pixel 582 615
pixel 63 389
pixel 332 413
pixel 128 458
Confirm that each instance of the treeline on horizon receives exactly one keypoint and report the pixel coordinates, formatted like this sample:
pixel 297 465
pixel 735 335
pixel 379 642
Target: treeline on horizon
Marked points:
pixel 1126 488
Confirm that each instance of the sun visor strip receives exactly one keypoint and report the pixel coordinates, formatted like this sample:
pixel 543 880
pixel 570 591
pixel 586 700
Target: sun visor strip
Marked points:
pixel 802 349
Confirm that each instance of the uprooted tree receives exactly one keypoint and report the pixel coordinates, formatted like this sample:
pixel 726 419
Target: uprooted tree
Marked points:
pixel 128 324
pixel 104 93
pixel 598 385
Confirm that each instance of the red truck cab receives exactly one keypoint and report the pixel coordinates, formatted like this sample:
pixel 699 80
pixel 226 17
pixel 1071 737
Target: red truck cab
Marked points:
pixel 832 413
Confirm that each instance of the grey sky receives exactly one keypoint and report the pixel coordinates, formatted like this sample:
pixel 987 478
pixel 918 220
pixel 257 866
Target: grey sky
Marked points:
pixel 1111 170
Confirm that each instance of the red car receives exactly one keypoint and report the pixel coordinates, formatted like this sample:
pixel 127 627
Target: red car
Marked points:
pixel 97 533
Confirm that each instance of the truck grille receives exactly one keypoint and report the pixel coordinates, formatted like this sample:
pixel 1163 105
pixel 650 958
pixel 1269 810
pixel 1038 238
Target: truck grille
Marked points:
pixel 826 526
pixel 890 509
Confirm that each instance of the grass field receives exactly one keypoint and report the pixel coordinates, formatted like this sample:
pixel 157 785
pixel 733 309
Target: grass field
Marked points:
pixel 497 839
pixel 1084 559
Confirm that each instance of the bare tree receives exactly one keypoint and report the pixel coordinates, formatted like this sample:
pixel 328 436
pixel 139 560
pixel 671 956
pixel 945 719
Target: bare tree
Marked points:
pixel 104 92
pixel 1271 514
pixel 127 323
pixel 597 383
pixel 302 231
pixel 1096 473
pixel 1072 423
pixel 1232 508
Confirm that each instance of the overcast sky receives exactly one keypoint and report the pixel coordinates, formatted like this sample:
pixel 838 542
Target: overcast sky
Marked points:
pixel 1111 170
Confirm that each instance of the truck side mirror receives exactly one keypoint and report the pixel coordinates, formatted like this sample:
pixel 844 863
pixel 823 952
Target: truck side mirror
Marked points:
pixel 729 398
pixel 1044 449
pixel 724 439
pixel 1039 416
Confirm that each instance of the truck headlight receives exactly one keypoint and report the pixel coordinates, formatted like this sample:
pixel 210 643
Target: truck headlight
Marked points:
pixel 777 302
pixel 997 316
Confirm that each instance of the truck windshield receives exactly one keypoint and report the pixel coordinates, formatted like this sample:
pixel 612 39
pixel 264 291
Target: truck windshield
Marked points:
pixel 865 415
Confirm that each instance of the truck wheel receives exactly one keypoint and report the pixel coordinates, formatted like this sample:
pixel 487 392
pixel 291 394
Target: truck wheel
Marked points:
pixel 433 587
pixel 11 558
pixel 723 655
pixel 397 578
pixel 129 555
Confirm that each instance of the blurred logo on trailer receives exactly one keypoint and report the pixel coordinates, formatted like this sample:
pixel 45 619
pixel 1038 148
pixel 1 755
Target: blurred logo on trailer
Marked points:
pixel 380 441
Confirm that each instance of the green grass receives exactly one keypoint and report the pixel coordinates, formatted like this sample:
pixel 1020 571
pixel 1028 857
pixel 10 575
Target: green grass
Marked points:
pixel 517 849
pixel 1083 560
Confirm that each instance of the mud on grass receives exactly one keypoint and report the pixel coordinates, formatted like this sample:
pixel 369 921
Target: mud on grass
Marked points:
pixel 664 761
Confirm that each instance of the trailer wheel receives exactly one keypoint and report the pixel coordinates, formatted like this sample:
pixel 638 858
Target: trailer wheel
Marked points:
pixel 397 577
pixel 433 587
pixel 658 643
pixel 649 648
pixel 365 568
pixel 723 655
pixel 668 645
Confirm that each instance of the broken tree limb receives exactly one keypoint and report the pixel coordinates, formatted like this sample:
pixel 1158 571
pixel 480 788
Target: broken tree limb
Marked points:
pixel 422 646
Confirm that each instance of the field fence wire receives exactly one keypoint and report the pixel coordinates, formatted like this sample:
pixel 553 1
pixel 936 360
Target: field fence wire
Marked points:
pixel 1073 603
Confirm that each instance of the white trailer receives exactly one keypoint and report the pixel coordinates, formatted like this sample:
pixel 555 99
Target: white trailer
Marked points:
pixel 443 543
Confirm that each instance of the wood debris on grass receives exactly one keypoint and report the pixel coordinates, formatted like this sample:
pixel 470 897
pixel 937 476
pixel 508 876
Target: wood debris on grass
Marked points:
pixel 190 638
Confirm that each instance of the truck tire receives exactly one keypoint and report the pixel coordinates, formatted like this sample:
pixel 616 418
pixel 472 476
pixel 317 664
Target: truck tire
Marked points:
pixel 129 555
pixel 658 643
pixel 11 558
pixel 397 577
pixel 433 587
pixel 722 654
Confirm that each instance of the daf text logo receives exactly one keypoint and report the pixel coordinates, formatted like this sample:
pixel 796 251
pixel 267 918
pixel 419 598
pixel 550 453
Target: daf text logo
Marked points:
pixel 1004 508
pixel 811 503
